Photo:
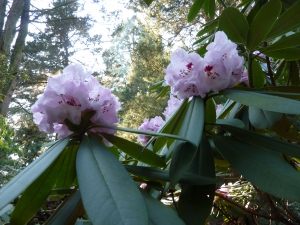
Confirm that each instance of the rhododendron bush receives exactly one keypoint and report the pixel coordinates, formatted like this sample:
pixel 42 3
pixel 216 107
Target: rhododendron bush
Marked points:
pixel 234 102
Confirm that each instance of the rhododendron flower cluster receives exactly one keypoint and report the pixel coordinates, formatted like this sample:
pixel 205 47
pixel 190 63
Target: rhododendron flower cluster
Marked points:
pixel 173 105
pixel 244 79
pixel 191 75
pixel 153 124
pixel 156 123
pixel 69 97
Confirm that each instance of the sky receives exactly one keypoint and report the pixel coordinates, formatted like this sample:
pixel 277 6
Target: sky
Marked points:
pixel 100 27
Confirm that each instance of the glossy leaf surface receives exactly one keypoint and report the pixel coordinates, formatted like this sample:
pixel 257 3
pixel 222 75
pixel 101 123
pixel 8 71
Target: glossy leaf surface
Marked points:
pixel 194 10
pixel 234 24
pixel 191 129
pixel 136 151
pixel 35 195
pixel 258 75
pixel 262 23
pixel 13 189
pixel 289 20
pixel 196 201
pixel 159 174
pixel 108 193
pixel 263 168
pixel 261 119
pixel 263 101
pixel 160 214
pixel 264 141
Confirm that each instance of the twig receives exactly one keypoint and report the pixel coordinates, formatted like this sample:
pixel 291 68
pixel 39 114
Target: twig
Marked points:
pixel 243 208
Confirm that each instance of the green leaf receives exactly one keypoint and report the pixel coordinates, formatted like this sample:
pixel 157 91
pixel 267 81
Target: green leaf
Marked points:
pixel 284 42
pixel 35 195
pixel 254 10
pixel 195 202
pixel 262 23
pixel 202 50
pixel 160 214
pixel 209 7
pixel 203 40
pixel 288 21
pixel 149 133
pixel 159 174
pixel 155 86
pixel 148 2
pixel 263 101
pixel 210 114
pixel 263 168
pixel 286 129
pixel 191 129
pixel 232 122
pixel 108 193
pixel 66 211
pixel 294 74
pixel 261 119
pixel 171 126
pixel 14 188
pixel 289 54
pixel 234 24
pixel 193 122
pixel 194 10
pixel 68 170
pixel 208 27
pixel 135 150
pixel 264 141
pixel 258 75
pixel 183 154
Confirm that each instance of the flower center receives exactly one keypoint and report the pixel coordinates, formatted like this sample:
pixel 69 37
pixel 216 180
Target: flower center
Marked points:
pixel 68 100
pixel 208 68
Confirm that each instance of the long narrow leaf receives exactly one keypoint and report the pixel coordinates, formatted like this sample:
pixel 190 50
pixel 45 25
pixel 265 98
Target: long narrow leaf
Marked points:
pixel 196 201
pixel 263 141
pixel 20 182
pixel 160 214
pixel 35 195
pixel 64 213
pixel 263 168
pixel 194 10
pixel 136 151
pixel 234 24
pixel 262 23
pixel 149 133
pixel 288 21
pixel 285 42
pixel 68 170
pixel 159 174
pixel 263 101
pixel 108 193
pixel 191 129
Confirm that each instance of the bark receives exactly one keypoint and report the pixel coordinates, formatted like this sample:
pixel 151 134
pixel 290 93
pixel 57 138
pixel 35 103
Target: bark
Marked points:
pixel 10 26
pixel 16 58
pixel 3 4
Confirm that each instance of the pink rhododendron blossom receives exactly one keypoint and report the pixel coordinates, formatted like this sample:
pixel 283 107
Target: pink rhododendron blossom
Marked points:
pixel 69 96
pixel 258 53
pixel 183 75
pixel 143 185
pixel 244 78
pixel 190 75
pixel 223 66
pixel 150 125
pixel 173 105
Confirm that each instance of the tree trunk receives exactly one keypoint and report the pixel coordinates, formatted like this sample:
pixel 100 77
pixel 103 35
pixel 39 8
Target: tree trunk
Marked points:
pixel 16 56
pixel 10 26
pixel 3 4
